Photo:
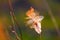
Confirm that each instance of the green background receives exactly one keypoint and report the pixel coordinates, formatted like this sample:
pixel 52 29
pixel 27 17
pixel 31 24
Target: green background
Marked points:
pixel 20 7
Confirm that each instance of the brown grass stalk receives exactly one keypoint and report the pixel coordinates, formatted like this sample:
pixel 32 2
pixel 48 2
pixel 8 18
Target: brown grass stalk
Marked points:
pixel 13 18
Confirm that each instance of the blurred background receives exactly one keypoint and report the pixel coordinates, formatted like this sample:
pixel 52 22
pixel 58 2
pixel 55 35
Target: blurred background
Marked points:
pixel 50 9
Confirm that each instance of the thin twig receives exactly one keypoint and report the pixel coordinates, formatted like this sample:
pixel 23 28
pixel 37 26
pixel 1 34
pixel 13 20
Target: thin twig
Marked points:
pixel 14 19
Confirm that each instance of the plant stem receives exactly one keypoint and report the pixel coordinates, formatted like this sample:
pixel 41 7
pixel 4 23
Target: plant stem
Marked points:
pixel 14 20
pixel 52 17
